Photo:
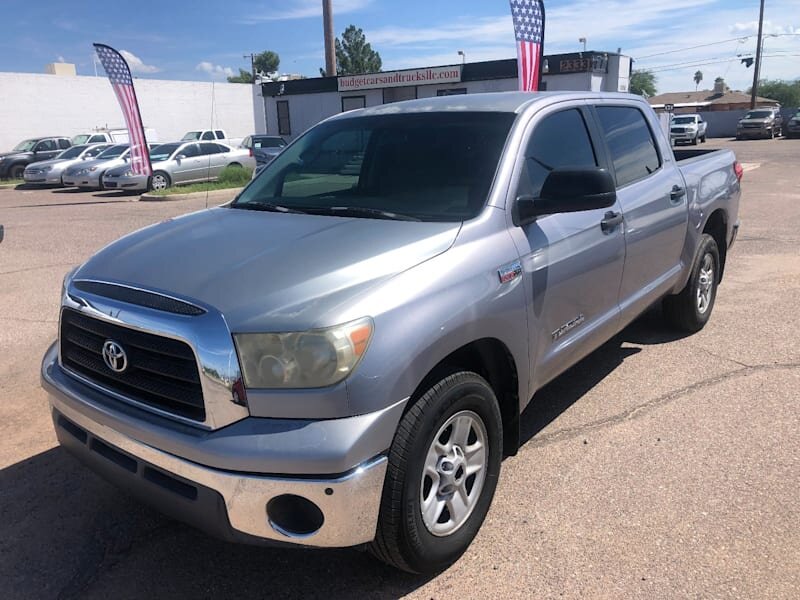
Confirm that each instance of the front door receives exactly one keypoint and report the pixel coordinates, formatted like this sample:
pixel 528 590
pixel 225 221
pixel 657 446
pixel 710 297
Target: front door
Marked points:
pixel 571 263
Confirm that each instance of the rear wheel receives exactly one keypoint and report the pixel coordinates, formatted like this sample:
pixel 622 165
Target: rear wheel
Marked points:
pixel 159 181
pixel 690 309
pixel 443 468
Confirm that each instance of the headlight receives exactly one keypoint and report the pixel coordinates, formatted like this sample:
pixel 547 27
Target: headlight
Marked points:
pixel 46 169
pixel 127 173
pixel 311 359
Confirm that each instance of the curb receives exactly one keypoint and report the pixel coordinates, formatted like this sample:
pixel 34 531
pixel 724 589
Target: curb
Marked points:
pixel 216 195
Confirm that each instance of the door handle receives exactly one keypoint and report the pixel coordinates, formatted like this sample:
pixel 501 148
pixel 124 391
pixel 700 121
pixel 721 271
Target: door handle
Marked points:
pixel 677 193
pixel 610 221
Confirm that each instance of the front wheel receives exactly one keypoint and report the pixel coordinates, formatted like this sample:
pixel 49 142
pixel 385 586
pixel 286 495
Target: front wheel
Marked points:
pixel 694 140
pixel 159 181
pixel 690 309
pixel 443 469
pixel 16 171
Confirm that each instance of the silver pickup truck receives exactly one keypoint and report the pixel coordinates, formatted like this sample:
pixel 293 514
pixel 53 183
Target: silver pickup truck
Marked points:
pixel 339 357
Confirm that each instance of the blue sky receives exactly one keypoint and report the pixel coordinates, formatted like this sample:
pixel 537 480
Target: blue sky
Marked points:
pixel 203 39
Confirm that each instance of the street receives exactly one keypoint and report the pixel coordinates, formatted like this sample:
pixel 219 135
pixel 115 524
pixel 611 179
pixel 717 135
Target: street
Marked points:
pixel 661 466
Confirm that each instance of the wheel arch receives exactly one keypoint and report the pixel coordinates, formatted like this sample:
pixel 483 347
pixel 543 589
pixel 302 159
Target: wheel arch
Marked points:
pixel 491 359
pixel 717 227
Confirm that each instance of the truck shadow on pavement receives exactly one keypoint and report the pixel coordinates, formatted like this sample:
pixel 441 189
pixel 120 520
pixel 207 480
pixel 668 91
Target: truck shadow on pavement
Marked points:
pixel 66 533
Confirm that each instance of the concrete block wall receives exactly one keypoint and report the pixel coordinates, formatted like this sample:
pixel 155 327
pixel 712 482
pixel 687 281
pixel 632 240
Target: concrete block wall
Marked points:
pixel 41 104
pixel 723 123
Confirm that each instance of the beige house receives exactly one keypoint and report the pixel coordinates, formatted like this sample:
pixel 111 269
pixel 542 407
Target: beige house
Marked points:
pixel 722 98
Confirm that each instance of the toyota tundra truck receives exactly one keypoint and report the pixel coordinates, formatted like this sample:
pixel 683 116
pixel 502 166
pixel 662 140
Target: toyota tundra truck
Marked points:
pixel 339 356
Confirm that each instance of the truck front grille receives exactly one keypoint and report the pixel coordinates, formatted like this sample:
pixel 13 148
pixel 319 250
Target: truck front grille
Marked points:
pixel 159 372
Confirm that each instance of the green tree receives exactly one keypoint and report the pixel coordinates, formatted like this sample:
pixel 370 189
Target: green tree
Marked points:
pixel 267 62
pixel 242 77
pixel 698 77
pixel 785 92
pixel 354 55
pixel 643 83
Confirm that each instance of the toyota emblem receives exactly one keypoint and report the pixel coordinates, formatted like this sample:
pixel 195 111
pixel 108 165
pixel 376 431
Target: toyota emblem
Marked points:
pixel 114 356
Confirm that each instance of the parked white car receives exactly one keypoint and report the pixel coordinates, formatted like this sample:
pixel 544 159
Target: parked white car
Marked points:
pixel 688 128
pixel 49 172
pixel 180 162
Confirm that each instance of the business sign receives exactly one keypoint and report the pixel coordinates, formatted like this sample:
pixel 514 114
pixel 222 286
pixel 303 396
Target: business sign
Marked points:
pixel 669 107
pixel 349 83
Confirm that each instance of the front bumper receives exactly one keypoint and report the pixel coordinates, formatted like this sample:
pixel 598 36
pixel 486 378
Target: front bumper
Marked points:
pixel 753 132
pixel 683 137
pixel 89 180
pixel 231 504
pixel 135 183
pixel 48 178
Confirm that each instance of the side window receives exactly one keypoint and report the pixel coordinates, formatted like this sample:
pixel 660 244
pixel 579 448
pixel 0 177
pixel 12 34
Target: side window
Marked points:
pixel 190 150
pixel 207 135
pixel 248 142
pixel 630 142
pixel 97 138
pixel 220 134
pixel 222 149
pixel 208 148
pixel 45 146
pixel 95 151
pixel 559 140
pixel 63 143
pixel 284 123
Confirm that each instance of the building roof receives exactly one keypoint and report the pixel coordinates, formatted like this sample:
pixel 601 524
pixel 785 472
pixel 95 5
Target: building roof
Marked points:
pixel 706 98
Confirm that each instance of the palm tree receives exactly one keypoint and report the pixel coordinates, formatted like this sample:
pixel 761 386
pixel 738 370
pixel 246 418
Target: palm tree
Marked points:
pixel 698 77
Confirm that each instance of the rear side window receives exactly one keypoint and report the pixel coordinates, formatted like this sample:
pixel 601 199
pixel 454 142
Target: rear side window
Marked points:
pixel 220 134
pixel 630 142
pixel 209 148
pixel 559 140
pixel 97 138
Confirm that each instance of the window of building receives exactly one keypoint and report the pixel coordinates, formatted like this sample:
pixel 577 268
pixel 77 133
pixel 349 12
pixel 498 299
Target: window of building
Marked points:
pixel 284 122
pixel 560 140
pixel 353 102
pixel 630 142
pixel 451 92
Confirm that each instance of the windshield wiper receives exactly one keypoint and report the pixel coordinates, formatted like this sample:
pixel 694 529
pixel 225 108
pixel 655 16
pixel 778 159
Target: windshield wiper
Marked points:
pixel 360 211
pixel 267 207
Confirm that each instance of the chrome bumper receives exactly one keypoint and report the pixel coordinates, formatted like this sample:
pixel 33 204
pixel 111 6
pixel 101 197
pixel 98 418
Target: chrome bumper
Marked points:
pixel 349 503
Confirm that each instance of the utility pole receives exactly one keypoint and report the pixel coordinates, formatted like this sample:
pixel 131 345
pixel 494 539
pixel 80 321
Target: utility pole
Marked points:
pixel 252 58
pixel 330 47
pixel 759 49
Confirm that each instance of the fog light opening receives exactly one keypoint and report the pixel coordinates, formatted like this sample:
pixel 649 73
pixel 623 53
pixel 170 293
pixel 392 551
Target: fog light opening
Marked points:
pixel 294 516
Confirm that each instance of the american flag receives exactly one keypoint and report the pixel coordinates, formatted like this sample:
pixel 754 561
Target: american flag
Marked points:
pixel 120 77
pixel 528 18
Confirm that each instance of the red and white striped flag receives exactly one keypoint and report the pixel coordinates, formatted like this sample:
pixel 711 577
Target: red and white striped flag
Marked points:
pixel 120 77
pixel 528 16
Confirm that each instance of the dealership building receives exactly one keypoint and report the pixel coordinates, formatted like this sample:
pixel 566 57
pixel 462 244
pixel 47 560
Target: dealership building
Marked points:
pixel 291 107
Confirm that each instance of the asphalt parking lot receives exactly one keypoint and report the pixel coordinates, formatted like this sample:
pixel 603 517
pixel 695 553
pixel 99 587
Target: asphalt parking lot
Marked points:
pixel 659 467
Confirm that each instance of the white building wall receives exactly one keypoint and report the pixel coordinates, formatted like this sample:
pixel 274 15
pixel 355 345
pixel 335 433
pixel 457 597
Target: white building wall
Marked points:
pixel 40 104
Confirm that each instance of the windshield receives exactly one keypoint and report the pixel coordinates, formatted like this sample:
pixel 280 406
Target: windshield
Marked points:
pixel 758 114
pixel 268 142
pixel 683 120
pixel 113 152
pixel 25 146
pixel 192 135
pixel 429 167
pixel 72 152
pixel 163 152
pixel 80 139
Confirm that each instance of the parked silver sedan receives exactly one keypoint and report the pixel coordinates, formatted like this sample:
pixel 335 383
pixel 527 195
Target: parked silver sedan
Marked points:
pixel 49 172
pixel 89 174
pixel 180 162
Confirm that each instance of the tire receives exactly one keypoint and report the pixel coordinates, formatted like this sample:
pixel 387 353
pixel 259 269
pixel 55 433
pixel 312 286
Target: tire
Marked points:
pixel 16 171
pixel 159 181
pixel 418 470
pixel 703 139
pixel 739 138
pixel 694 140
pixel 771 135
pixel 690 309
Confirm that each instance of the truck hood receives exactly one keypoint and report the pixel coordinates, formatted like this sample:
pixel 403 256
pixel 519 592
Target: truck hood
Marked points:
pixel 756 121
pixel 16 154
pixel 268 271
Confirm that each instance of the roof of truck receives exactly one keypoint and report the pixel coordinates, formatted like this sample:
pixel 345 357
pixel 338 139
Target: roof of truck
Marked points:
pixel 487 102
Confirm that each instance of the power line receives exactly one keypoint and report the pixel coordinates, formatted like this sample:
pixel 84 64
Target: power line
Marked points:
pixel 679 66
pixel 740 39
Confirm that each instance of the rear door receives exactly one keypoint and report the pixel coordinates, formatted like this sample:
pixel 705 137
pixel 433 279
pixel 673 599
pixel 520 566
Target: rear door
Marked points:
pixel 45 150
pixel 213 160
pixel 652 194
pixel 571 264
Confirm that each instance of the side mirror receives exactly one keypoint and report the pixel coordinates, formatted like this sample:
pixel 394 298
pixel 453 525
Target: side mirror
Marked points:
pixel 567 190
pixel 180 157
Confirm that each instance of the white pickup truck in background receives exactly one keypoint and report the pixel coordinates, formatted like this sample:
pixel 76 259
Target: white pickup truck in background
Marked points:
pixel 117 135
pixel 688 128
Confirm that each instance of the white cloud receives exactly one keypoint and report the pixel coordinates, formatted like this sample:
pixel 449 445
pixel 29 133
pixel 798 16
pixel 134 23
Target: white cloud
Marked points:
pixel 136 65
pixel 303 9
pixel 215 71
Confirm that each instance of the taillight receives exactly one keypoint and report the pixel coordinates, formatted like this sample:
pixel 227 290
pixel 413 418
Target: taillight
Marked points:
pixel 251 151
pixel 737 168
